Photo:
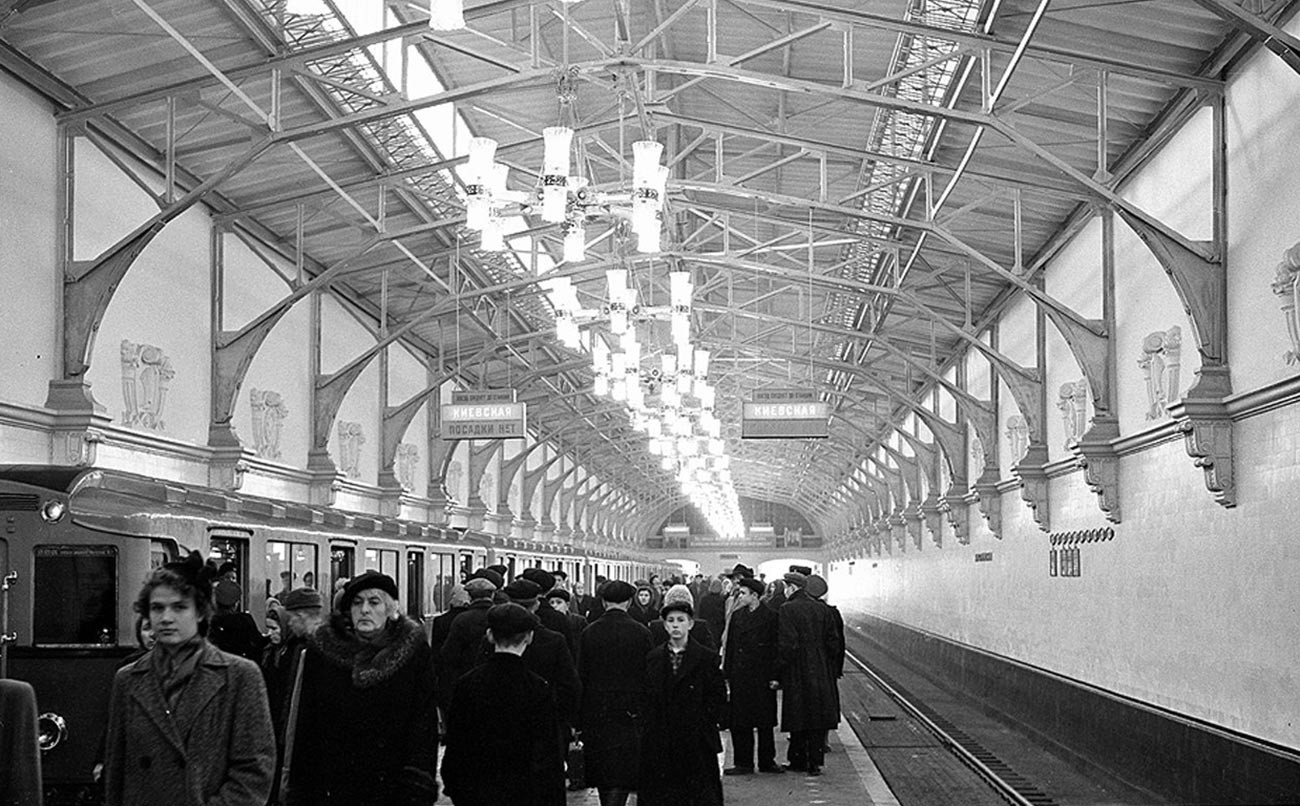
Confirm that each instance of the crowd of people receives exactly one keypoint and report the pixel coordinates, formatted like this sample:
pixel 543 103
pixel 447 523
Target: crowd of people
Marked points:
pixel 532 689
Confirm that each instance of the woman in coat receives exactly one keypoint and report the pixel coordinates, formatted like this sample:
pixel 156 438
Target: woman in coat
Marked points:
pixel 366 732
pixel 685 700
pixel 188 724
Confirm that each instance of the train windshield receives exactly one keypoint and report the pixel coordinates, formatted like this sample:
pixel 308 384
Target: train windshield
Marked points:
pixel 76 588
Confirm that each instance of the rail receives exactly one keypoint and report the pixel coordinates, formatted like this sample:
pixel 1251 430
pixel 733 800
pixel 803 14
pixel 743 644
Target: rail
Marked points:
pixel 1007 791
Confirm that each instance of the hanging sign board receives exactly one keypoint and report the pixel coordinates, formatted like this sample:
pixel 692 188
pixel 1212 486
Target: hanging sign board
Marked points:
pixel 782 395
pixel 789 420
pixel 487 419
pixel 483 396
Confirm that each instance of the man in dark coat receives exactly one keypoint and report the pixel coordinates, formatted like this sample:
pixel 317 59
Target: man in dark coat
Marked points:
pixel 806 645
pixel 439 629
pixel 561 600
pixel 712 608
pixel 464 641
pixel 611 666
pixel 750 668
pixel 550 618
pixel 501 727
pixel 547 656
pixel 685 698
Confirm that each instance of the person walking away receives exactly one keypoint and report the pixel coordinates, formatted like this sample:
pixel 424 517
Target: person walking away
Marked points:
pixel 464 641
pixel 188 724
pixel 810 703
pixel 685 700
pixel 712 608
pixel 300 615
pixel 817 589
pixel 750 670
pixel 366 729
pixel 502 724
pixel 550 618
pixel 439 629
pixel 611 667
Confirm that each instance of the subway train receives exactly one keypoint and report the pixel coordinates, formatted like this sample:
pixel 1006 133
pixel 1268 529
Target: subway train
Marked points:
pixel 78 542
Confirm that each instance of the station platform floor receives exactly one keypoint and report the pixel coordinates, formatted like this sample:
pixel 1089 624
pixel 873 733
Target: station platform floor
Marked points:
pixel 849 778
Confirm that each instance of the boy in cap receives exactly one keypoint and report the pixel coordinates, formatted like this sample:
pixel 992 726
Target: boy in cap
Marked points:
pixel 685 700
pixel 501 727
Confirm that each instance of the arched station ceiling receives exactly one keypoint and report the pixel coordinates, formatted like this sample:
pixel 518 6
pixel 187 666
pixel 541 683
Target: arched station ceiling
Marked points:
pixel 858 187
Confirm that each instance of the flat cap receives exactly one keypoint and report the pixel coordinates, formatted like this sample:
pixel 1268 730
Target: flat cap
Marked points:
pixel 508 621
pixel 368 580
pixel 817 586
pixel 795 578
pixel 479 588
pixel 616 591
pixel 545 579
pixel 741 570
pixel 523 591
pixel 302 599
pixel 491 575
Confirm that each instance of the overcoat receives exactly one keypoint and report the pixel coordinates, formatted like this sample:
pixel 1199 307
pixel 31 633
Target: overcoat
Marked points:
pixel 680 746
pixel 750 666
pixel 367 724
pixel 611 666
pixel 548 657
pixel 807 643
pixel 701 633
pixel 501 738
pixel 216 749
pixel 460 651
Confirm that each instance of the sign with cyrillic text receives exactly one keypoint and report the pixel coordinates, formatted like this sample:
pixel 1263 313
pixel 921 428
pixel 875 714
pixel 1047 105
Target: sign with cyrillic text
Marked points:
pixel 483 420
pixel 790 420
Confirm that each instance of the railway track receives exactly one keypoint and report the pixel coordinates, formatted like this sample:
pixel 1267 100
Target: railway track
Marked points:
pixel 938 748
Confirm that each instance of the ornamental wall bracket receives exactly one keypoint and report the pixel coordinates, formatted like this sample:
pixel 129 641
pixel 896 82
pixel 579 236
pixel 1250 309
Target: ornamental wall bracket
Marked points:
pixel 1096 455
pixel 1207 432
pixel 932 511
pixel 914 518
pixel 990 500
pixel 898 529
pixel 1286 285
pixel 1031 472
pixel 954 505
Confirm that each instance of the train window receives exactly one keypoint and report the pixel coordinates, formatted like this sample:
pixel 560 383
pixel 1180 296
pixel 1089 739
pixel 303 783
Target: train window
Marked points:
pixel 382 560
pixel 77 589
pixel 343 563
pixel 226 545
pixel 162 552
pixel 444 577
pixel 289 566
pixel 466 566
pixel 415 584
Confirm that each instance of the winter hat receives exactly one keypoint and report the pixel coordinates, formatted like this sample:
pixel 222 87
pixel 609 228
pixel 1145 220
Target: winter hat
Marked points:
pixel 509 621
pixel 369 580
pixel 679 593
pixel 491 575
pixel 817 586
pixel 523 591
pixel 480 588
pixel 677 606
pixel 617 591
pixel 751 583
pixel 544 579
pixel 302 599
pixel 796 578
pixel 802 569
pixel 740 570
pixel 715 585
pixel 559 593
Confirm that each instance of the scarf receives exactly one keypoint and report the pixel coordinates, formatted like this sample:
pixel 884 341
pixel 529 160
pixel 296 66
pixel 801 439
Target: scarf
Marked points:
pixel 374 660
pixel 174 667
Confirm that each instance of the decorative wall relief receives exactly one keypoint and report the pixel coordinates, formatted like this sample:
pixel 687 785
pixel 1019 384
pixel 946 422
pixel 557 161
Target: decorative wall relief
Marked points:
pixel 454 473
pixel 1287 287
pixel 976 454
pixel 404 465
pixel 1073 403
pixel 146 374
pixel 269 412
pixel 1160 362
pixel 1017 437
pixel 351 438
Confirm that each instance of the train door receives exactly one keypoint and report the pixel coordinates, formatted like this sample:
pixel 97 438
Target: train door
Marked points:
pixel 510 567
pixel 343 565
pixel 466 565
pixel 6 582
pixel 415 584
pixel 444 578
pixel 230 545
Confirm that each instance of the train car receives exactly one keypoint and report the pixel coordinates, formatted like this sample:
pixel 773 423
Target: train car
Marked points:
pixel 77 543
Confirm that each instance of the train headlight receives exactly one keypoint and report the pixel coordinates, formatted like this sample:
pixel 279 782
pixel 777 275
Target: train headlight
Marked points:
pixel 52 729
pixel 53 511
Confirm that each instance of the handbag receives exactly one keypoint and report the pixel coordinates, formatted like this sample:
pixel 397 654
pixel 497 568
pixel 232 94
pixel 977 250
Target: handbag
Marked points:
pixel 575 765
